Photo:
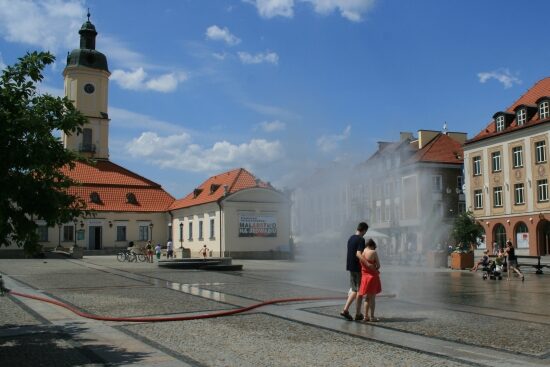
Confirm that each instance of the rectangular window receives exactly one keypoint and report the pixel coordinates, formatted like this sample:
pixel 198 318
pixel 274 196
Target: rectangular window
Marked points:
pixel 495 159
pixel 200 230
pixel 500 123
pixel 477 165
pixel 190 236
pixel 387 212
pixel 459 182
pixel 461 207
pixel 121 233
pixel 143 233
pixel 212 228
pixel 378 214
pixel 521 117
pixel 540 151
pixel 181 231
pixel 518 194
pixel 68 233
pixel 544 110
pixel 542 190
pixel 42 232
pixel 437 185
pixel 497 196
pixel 517 153
pixel 478 199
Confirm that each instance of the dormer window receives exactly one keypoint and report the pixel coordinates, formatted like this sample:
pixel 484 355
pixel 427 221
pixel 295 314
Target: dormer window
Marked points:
pixel 500 123
pixel 521 117
pixel 94 198
pixel 213 188
pixel 131 198
pixel 196 192
pixel 544 110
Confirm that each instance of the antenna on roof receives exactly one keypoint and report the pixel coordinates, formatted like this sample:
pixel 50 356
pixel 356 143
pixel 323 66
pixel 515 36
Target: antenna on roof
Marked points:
pixel 445 128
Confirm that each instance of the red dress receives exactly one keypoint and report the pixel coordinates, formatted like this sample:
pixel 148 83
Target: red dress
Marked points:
pixel 370 280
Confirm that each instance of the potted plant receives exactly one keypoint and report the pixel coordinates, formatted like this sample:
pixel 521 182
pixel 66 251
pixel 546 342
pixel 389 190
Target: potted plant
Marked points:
pixel 465 232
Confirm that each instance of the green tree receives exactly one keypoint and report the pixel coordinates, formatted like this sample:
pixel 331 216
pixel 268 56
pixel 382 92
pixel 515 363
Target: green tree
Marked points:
pixel 31 157
pixel 466 230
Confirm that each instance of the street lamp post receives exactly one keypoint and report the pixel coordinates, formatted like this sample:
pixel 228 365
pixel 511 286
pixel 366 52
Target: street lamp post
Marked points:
pixel 151 226
pixel 181 234
pixel 75 221
pixel 59 240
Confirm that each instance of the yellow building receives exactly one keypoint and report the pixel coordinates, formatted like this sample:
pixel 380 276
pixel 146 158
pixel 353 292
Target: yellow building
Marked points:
pixel 506 169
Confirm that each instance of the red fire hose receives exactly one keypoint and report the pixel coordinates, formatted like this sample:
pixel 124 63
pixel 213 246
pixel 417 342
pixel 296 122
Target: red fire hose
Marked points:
pixel 173 318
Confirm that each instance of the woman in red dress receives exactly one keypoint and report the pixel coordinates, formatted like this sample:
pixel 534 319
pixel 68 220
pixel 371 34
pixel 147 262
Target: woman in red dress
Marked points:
pixel 370 279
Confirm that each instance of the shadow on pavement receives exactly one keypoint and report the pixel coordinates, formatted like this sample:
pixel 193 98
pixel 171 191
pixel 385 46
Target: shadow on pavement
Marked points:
pixel 46 345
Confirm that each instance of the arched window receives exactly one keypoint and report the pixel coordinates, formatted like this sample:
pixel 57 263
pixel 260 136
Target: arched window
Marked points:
pixel 499 235
pixel 131 198
pixel 522 235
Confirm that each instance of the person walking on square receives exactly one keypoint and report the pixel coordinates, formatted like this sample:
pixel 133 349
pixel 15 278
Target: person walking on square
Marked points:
pixel 370 279
pixel 149 252
pixel 204 251
pixel 512 261
pixel 158 251
pixel 169 250
pixel 355 247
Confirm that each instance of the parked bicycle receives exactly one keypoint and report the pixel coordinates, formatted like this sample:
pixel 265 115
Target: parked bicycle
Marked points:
pixel 130 256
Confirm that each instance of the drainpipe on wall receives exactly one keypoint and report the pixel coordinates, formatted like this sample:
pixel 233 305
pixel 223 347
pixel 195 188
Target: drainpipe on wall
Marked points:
pixel 220 206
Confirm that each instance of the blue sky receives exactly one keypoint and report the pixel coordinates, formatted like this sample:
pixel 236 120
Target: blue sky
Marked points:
pixel 281 87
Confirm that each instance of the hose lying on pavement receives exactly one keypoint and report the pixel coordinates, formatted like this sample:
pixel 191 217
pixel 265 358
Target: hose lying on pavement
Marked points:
pixel 171 318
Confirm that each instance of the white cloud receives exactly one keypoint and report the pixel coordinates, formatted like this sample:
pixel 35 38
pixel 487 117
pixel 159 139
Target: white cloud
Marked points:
pixel 121 118
pixel 502 75
pixel 273 8
pixel 177 151
pixel 48 24
pixel 352 10
pixel 219 56
pixel 222 34
pixel 328 143
pixel 272 126
pixel 138 80
pixel 273 111
pixel 269 57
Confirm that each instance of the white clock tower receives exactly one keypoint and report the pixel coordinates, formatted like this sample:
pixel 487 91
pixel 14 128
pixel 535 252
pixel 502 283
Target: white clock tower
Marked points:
pixel 87 85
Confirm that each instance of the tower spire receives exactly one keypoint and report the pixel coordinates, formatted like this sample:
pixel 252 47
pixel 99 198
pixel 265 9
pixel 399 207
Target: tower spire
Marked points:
pixel 88 14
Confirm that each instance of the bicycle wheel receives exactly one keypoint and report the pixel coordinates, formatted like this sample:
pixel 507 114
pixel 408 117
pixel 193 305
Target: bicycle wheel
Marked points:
pixel 132 257
pixel 121 256
pixel 141 258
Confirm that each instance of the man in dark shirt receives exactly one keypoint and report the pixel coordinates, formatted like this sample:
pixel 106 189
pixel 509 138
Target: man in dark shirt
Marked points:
pixel 356 245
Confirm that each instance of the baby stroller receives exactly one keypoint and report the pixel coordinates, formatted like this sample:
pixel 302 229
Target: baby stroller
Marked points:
pixel 492 271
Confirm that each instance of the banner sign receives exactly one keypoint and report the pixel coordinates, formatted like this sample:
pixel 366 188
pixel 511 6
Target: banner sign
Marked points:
pixel 252 225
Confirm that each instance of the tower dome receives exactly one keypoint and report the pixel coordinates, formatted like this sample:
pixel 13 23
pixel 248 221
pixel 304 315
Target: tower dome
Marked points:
pixel 87 55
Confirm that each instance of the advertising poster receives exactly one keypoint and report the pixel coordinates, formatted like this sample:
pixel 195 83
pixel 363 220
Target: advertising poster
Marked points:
pixel 253 225
pixel 522 240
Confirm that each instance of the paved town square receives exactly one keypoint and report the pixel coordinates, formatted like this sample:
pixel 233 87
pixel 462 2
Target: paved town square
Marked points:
pixel 428 317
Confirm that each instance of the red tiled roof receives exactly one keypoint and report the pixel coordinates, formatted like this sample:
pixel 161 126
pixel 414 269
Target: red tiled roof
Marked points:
pixel 113 183
pixel 441 149
pixel 540 89
pixel 106 172
pixel 212 189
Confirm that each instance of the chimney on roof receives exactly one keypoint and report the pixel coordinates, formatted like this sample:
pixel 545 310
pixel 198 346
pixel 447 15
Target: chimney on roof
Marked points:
pixel 404 135
pixel 225 190
pixel 425 136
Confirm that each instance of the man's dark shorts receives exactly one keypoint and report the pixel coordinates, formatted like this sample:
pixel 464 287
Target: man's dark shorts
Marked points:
pixel 354 280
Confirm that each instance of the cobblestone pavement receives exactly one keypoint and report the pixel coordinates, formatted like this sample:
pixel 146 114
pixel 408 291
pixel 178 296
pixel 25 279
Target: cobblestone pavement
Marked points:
pixel 428 317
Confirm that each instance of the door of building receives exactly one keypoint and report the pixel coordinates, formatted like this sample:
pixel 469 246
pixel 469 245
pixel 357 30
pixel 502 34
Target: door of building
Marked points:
pixel 544 237
pixel 95 238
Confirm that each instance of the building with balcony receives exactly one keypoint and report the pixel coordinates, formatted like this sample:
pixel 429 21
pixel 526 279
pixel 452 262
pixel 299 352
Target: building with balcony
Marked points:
pixel 507 170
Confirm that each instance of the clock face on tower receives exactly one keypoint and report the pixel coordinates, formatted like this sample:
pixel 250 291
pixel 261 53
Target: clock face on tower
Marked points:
pixel 89 88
